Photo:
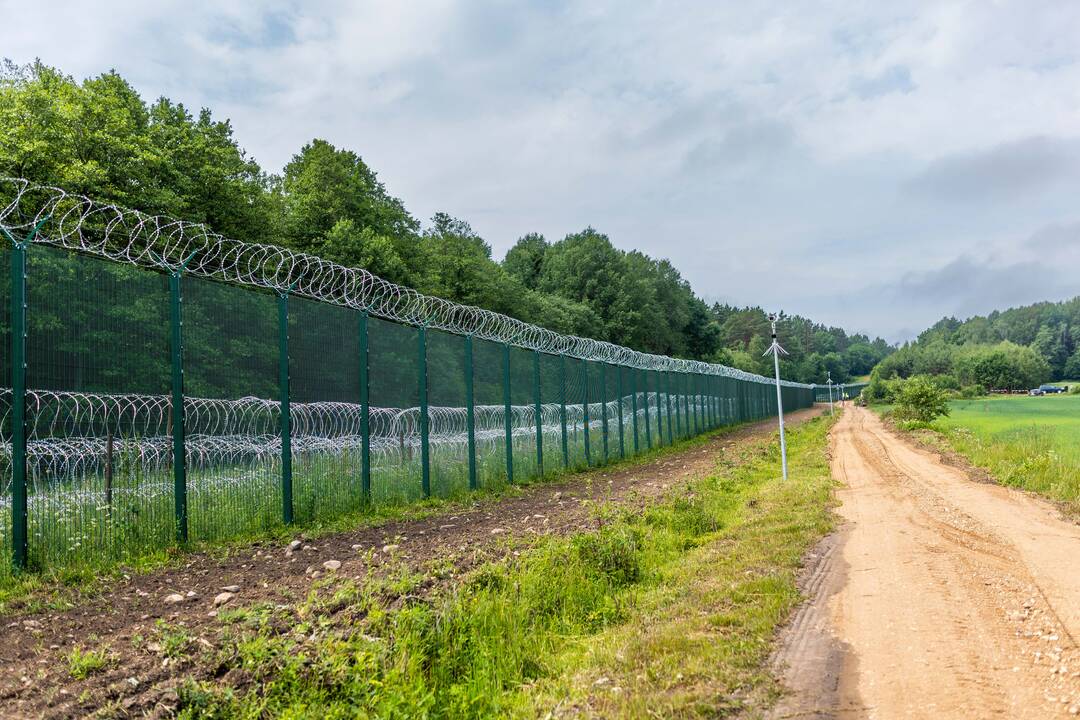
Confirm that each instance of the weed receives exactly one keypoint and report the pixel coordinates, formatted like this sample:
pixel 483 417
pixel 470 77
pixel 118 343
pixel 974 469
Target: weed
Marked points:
pixel 84 663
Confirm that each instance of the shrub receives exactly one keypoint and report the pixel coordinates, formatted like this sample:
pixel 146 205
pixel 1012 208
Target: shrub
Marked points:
pixel 614 552
pixel 972 391
pixel 920 400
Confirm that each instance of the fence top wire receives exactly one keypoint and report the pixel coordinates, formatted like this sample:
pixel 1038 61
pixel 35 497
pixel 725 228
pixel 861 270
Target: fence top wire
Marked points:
pixel 53 216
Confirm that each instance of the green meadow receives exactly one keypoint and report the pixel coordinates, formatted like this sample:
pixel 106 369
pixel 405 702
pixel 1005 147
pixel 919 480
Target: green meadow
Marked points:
pixel 1026 442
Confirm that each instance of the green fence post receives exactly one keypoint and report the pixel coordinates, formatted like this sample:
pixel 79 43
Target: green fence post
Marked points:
pixel 619 393
pixel 286 417
pixel 585 408
pixel 365 410
pixel 19 518
pixel 676 380
pixel 470 410
pixel 660 415
pixel 421 385
pixel 507 418
pixel 562 410
pixel 633 407
pixel 604 406
pixel 648 422
pixel 667 405
pixel 20 550
pixel 176 323
pixel 537 410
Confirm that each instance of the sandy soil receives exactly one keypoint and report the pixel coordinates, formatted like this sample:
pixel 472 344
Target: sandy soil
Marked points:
pixel 34 677
pixel 938 597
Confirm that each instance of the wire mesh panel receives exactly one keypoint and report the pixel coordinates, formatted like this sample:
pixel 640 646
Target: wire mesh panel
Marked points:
pixel 523 423
pixel 393 352
pixel 580 453
pixel 490 426
pixel 597 409
pixel 448 436
pixel 324 392
pixel 232 409
pixel 98 415
pixel 551 407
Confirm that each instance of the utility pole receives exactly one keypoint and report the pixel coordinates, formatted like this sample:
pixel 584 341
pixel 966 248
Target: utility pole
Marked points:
pixel 830 392
pixel 776 350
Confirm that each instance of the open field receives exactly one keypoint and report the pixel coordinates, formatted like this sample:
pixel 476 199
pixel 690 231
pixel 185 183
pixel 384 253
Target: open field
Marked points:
pixel 1026 442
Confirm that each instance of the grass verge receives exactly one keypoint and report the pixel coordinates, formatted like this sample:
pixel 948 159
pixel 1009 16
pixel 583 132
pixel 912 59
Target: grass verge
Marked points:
pixel 60 588
pixel 669 612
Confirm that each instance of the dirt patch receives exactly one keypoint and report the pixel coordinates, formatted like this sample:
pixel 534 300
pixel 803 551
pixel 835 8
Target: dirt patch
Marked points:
pixel 944 598
pixel 35 679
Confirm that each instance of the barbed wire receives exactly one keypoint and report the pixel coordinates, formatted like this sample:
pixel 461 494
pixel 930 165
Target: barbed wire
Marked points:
pixel 72 434
pixel 53 216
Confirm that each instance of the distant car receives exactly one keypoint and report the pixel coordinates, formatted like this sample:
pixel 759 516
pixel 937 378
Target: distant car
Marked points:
pixel 1051 389
pixel 1035 392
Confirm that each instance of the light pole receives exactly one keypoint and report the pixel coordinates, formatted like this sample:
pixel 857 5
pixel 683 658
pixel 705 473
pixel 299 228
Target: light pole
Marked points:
pixel 830 392
pixel 776 350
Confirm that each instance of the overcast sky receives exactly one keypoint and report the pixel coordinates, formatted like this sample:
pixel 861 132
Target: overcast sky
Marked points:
pixel 870 165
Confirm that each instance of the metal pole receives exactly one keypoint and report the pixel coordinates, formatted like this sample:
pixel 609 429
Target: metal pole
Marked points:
pixel 648 422
pixel 585 408
pixel 180 503
pixel 604 408
pixel 365 410
pixel 619 393
pixel 667 402
pixel 19 512
pixel 286 417
pixel 539 415
pixel 562 411
pixel 507 418
pixel 775 349
pixel 470 410
pixel 425 422
pixel 780 411
pixel 633 406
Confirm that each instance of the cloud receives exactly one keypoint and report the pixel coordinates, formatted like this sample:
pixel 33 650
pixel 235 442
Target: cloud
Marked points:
pixel 1003 172
pixel 895 79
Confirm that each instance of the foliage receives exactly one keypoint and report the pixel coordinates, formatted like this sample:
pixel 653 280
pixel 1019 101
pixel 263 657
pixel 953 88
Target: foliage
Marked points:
pixel 84 663
pixel 100 138
pixel 1051 330
pixel 921 400
pixel 1002 366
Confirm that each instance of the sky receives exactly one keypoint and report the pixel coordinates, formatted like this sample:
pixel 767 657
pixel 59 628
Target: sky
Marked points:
pixel 874 166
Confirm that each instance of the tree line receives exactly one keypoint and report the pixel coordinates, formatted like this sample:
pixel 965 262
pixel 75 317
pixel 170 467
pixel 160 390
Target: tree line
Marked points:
pixel 1014 349
pixel 100 138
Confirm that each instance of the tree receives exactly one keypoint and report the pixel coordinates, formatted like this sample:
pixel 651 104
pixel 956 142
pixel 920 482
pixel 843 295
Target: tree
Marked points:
pixel 921 400
pixel 525 260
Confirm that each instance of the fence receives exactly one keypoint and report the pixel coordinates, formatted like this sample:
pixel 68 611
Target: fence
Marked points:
pixel 162 384
pixel 839 392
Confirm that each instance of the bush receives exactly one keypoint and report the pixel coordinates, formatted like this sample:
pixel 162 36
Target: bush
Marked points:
pixel 972 391
pixel 920 400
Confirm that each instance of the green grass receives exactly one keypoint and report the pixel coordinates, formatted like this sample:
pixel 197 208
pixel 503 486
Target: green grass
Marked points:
pixel 1026 442
pixel 84 663
pixel 677 604
pixel 61 575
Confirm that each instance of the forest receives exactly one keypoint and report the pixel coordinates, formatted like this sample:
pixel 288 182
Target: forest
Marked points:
pixel 1014 349
pixel 99 137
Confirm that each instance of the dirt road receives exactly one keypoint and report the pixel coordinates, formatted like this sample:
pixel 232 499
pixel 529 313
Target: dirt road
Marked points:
pixel 939 597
